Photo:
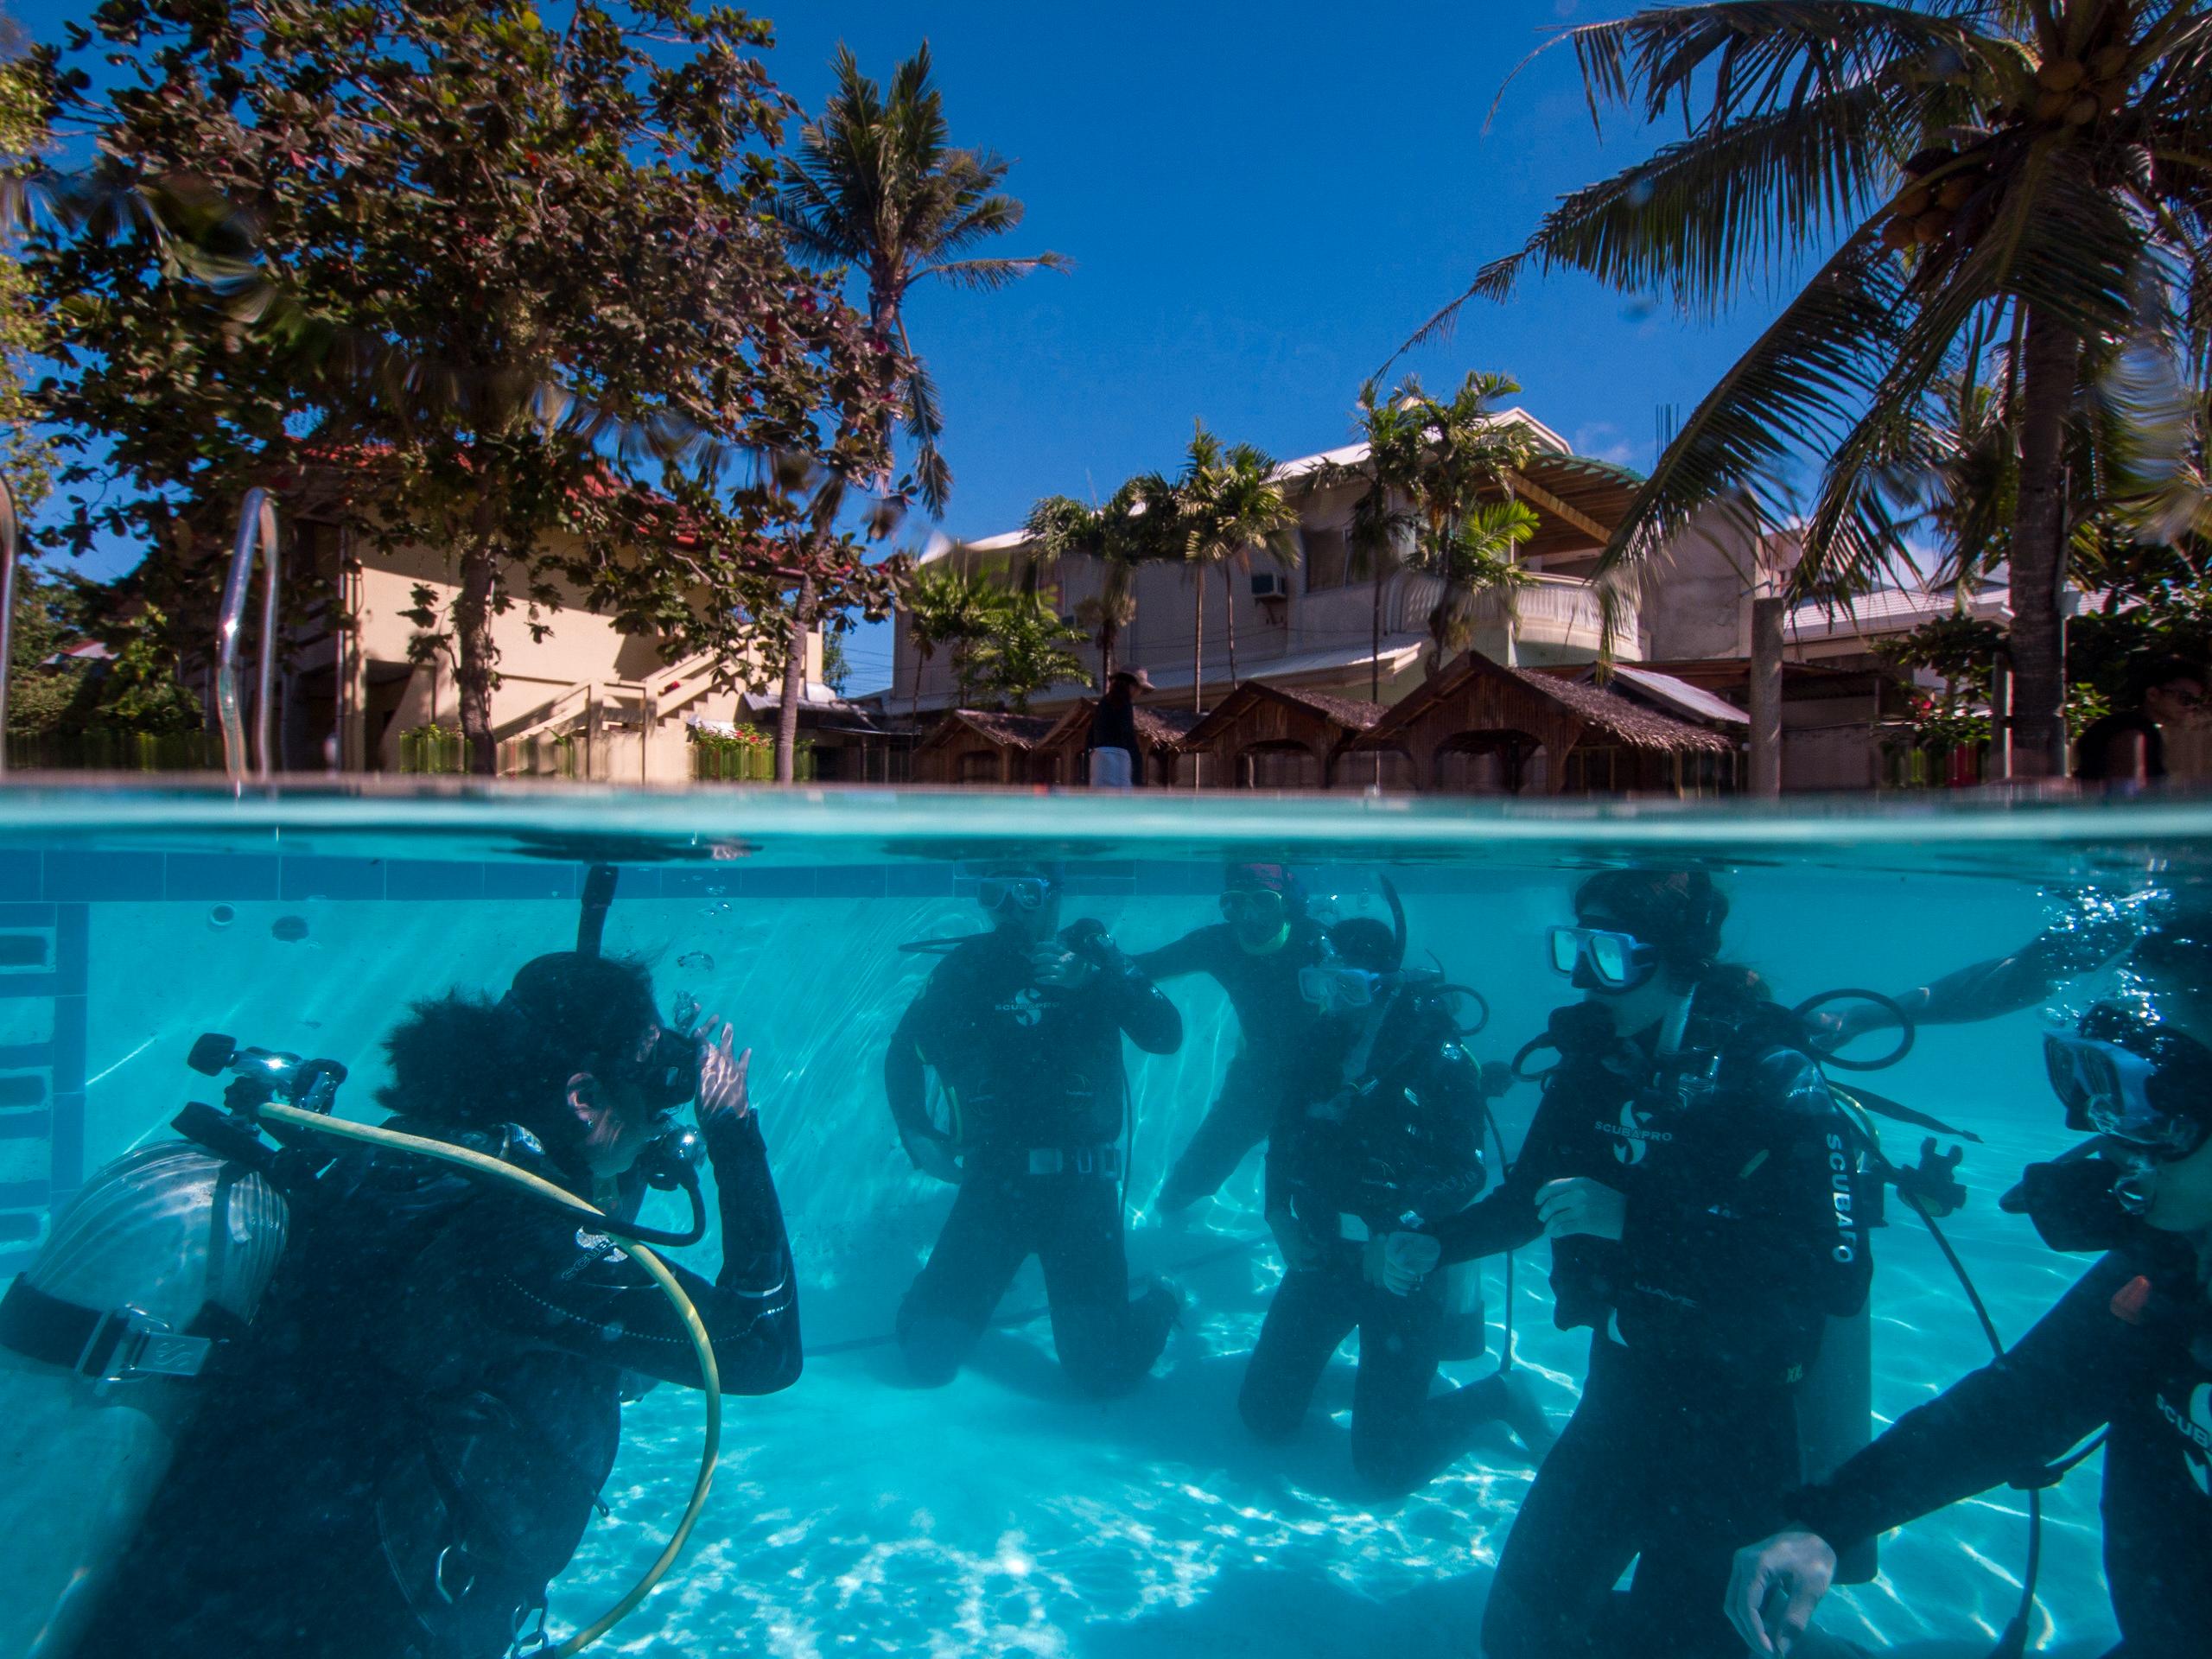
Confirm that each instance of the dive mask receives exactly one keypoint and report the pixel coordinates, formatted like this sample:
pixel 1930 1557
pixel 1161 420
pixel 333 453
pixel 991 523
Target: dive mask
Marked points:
pixel 1337 987
pixel 1028 893
pixel 2152 1093
pixel 1254 906
pixel 666 1069
pixel 1602 959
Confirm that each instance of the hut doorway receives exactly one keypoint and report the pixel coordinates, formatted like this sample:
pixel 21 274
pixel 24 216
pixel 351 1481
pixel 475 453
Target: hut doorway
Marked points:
pixel 1502 762
pixel 1278 765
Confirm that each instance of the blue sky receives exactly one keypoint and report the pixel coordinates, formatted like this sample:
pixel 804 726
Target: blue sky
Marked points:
pixel 1261 204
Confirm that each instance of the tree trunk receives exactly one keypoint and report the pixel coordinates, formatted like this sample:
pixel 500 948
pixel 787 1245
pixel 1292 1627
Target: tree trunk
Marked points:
pixel 794 685
pixel 2050 365
pixel 1229 600
pixel 1199 649
pixel 1375 657
pixel 1109 637
pixel 476 656
pixel 1767 616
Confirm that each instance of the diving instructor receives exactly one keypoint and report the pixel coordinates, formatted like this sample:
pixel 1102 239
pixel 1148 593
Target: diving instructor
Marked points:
pixel 413 1434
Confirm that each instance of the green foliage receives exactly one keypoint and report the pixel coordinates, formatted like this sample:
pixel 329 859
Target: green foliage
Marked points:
pixel 2009 196
pixel 745 754
pixel 433 749
pixel 836 667
pixel 1227 506
pixel 1023 650
pixel 875 185
pixel 521 275
pixel 26 454
pixel 1134 527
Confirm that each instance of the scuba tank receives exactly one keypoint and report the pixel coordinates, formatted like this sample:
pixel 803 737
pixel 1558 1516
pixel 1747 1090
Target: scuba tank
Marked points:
pixel 102 1341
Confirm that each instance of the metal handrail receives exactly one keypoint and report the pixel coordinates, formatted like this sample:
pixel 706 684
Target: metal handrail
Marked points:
pixel 257 531
pixel 8 539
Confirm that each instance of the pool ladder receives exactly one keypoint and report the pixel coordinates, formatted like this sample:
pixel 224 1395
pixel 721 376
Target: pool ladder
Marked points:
pixel 256 534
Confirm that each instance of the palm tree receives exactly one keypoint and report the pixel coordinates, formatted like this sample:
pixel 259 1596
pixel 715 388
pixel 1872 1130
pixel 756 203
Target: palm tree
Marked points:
pixel 1382 525
pixel 876 185
pixel 944 607
pixel 2029 171
pixel 1471 557
pixel 1230 505
pixel 1114 536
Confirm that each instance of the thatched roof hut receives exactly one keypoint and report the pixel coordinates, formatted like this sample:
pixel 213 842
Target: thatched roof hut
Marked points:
pixel 1262 736
pixel 1160 729
pixel 979 745
pixel 1480 727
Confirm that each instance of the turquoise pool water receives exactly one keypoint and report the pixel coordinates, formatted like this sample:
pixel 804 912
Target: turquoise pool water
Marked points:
pixel 1005 1514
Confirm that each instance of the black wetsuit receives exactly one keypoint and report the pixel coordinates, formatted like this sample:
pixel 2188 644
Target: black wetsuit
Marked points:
pixel 1036 1078
pixel 429 1401
pixel 1283 1045
pixel 2104 1355
pixel 1400 1147
pixel 1742 1236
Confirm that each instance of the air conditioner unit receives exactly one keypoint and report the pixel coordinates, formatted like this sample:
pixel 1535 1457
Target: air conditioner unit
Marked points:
pixel 1268 584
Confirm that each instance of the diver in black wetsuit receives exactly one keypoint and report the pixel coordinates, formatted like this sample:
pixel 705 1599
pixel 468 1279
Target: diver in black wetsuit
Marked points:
pixel 2128 1349
pixel 1692 1171
pixel 1256 953
pixel 1024 1028
pixel 413 1436
pixel 1399 1141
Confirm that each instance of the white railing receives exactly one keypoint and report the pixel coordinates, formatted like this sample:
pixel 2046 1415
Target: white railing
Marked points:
pixel 1558 610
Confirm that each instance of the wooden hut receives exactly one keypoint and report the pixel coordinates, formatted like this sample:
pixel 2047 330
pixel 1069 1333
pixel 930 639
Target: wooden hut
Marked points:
pixel 976 746
pixel 1479 727
pixel 1161 730
pixel 1262 736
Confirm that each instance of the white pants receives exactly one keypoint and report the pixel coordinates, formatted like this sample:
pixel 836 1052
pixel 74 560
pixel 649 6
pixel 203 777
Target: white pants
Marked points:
pixel 1111 768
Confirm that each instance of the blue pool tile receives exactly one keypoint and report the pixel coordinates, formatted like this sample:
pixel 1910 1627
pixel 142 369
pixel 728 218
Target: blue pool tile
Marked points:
pixel 533 880
pixel 918 880
pixel 1160 879
pixel 417 879
pixel 333 878
pixel 19 876
pixel 26 915
pixel 126 877
pixel 778 881
pixel 221 875
pixel 700 882
pixel 850 881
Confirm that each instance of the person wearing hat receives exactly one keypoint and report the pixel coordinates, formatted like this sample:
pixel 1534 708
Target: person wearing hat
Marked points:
pixel 2128 1350
pixel 412 1438
pixel 1114 744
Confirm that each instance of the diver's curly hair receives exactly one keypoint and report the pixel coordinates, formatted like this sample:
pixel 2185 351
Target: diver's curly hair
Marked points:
pixel 464 1060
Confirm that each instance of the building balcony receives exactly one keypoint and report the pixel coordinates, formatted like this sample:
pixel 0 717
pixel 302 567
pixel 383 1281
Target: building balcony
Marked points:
pixel 1559 620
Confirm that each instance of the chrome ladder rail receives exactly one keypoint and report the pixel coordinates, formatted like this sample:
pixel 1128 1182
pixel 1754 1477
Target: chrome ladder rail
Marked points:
pixel 257 532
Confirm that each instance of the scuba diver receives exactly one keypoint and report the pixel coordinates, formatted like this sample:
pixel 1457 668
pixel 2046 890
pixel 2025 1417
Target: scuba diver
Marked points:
pixel 1256 953
pixel 1690 1165
pixel 1398 1143
pixel 2127 1349
pixel 1023 1026
pixel 406 1445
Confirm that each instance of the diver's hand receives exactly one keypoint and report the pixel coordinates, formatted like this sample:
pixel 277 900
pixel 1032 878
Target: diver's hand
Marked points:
pixel 1579 1204
pixel 933 1157
pixel 1300 1253
pixel 1497 1078
pixel 1057 968
pixel 1776 1585
pixel 721 1076
pixel 1405 1261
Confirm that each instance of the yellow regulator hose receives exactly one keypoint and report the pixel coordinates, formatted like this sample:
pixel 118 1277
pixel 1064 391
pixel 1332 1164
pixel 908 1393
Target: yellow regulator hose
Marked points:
pixel 483 1164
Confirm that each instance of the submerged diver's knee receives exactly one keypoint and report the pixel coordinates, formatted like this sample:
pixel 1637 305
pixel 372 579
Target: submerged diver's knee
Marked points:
pixel 1268 1417
pixel 933 1349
